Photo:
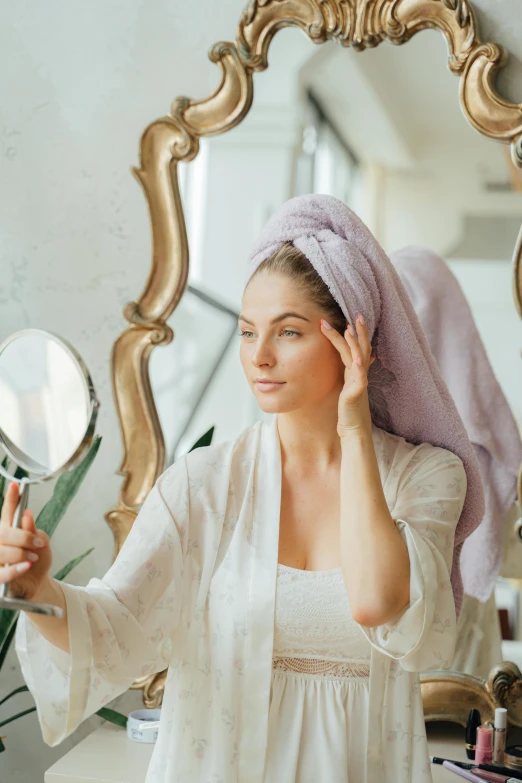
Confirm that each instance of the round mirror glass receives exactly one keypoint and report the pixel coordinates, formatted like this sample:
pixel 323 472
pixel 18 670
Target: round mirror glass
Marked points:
pixel 45 404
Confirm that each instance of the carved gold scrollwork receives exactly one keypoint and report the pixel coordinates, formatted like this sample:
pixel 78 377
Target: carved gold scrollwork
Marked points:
pixel 485 109
pixel 361 24
pixel 449 696
pixel 228 105
pixel 153 688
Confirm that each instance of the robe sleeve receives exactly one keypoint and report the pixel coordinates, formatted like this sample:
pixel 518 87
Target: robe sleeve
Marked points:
pixel 429 502
pixel 120 627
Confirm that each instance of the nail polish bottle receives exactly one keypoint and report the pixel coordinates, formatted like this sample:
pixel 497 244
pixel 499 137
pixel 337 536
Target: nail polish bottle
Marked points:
pixel 484 751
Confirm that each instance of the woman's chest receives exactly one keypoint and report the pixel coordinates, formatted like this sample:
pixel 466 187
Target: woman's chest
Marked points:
pixel 309 526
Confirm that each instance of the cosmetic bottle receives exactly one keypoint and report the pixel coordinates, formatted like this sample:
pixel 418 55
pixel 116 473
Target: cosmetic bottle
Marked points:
pixel 499 740
pixel 484 750
pixel 474 721
pixel 513 757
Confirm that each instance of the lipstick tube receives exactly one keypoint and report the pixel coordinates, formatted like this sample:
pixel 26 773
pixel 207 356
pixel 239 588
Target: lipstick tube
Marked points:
pixel 474 721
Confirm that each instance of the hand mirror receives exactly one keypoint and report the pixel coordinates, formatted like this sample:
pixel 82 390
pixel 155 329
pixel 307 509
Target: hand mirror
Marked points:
pixel 48 410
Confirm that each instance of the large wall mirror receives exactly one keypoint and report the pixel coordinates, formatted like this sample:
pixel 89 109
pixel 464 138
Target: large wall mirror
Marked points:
pixel 387 129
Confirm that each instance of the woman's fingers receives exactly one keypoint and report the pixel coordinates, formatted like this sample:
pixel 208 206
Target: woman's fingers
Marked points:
pixel 357 343
pixel 355 346
pixel 28 524
pixel 363 337
pixel 24 537
pixel 338 341
pixel 9 573
pixel 13 554
pixel 18 545
pixel 10 503
pixel 8 510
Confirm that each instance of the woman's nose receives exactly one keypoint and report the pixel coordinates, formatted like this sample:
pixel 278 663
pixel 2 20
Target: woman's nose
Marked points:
pixel 262 355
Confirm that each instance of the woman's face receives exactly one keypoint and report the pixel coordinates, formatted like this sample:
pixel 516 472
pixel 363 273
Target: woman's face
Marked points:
pixel 288 362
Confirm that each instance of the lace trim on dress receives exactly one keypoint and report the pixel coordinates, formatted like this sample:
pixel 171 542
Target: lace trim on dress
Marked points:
pixel 313 618
pixel 321 668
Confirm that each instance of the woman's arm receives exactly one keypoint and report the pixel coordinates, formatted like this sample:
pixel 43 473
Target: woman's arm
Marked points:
pixel 54 629
pixel 429 489
pixel 117 628
pixel 374 557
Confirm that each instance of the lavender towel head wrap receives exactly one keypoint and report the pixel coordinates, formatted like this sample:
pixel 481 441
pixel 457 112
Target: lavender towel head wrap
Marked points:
pixel 408 396
pixel 453 337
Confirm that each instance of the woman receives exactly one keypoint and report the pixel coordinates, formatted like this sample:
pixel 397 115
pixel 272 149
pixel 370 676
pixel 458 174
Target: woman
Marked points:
pixel 296 579
pixel 447 321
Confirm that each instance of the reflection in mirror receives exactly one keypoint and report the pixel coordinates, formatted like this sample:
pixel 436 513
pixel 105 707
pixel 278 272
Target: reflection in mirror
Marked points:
pixel 200 355
pixel 45 409
pixel 383 131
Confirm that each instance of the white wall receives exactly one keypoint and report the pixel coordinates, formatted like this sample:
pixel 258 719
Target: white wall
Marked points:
pixel 81 81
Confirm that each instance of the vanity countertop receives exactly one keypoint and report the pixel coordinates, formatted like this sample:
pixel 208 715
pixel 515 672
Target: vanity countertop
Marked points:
pixel 105 756
pixel 108 756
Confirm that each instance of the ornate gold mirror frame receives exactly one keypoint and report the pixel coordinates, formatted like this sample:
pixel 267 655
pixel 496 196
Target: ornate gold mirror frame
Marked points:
pixel 361 24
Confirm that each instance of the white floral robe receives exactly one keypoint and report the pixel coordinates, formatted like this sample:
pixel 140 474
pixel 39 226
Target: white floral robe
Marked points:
pixel 193 588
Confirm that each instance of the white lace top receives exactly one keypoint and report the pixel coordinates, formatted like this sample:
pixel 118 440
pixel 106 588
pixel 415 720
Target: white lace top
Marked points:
pixel 314 629
pixel 313 617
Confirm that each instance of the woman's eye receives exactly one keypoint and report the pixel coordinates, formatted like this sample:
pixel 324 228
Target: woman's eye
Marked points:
pixel 248 334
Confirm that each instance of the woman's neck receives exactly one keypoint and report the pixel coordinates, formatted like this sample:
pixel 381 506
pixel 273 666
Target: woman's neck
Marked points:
pixel 309 437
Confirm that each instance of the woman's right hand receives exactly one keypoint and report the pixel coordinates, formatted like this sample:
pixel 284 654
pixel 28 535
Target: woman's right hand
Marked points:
pixel 25 553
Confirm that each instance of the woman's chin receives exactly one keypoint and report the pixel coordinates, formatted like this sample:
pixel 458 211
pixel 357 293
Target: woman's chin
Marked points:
pixel 269 404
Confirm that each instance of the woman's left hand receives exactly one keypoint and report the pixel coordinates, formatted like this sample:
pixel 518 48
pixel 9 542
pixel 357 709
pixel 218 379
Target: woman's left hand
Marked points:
pixel 356 352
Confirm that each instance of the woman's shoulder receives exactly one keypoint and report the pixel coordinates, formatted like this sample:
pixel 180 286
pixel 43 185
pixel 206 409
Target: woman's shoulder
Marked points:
pixel 209 460
pixel 396 450
pixel 417 470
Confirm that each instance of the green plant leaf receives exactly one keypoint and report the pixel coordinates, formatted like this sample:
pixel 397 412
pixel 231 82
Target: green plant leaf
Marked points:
pixel 205 440
pixel 66 488
pixel 18 715
pixel 21 689
pixel 66 569
pixel 7 631
pixel 5 463
pixel 112 716
pixel 4 646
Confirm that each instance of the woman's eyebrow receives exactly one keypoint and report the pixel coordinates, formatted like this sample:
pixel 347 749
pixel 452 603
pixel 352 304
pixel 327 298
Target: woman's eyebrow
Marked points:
pixel 277 319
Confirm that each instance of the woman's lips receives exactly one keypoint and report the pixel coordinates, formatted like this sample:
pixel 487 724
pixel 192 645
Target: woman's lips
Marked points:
pixel 267 386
